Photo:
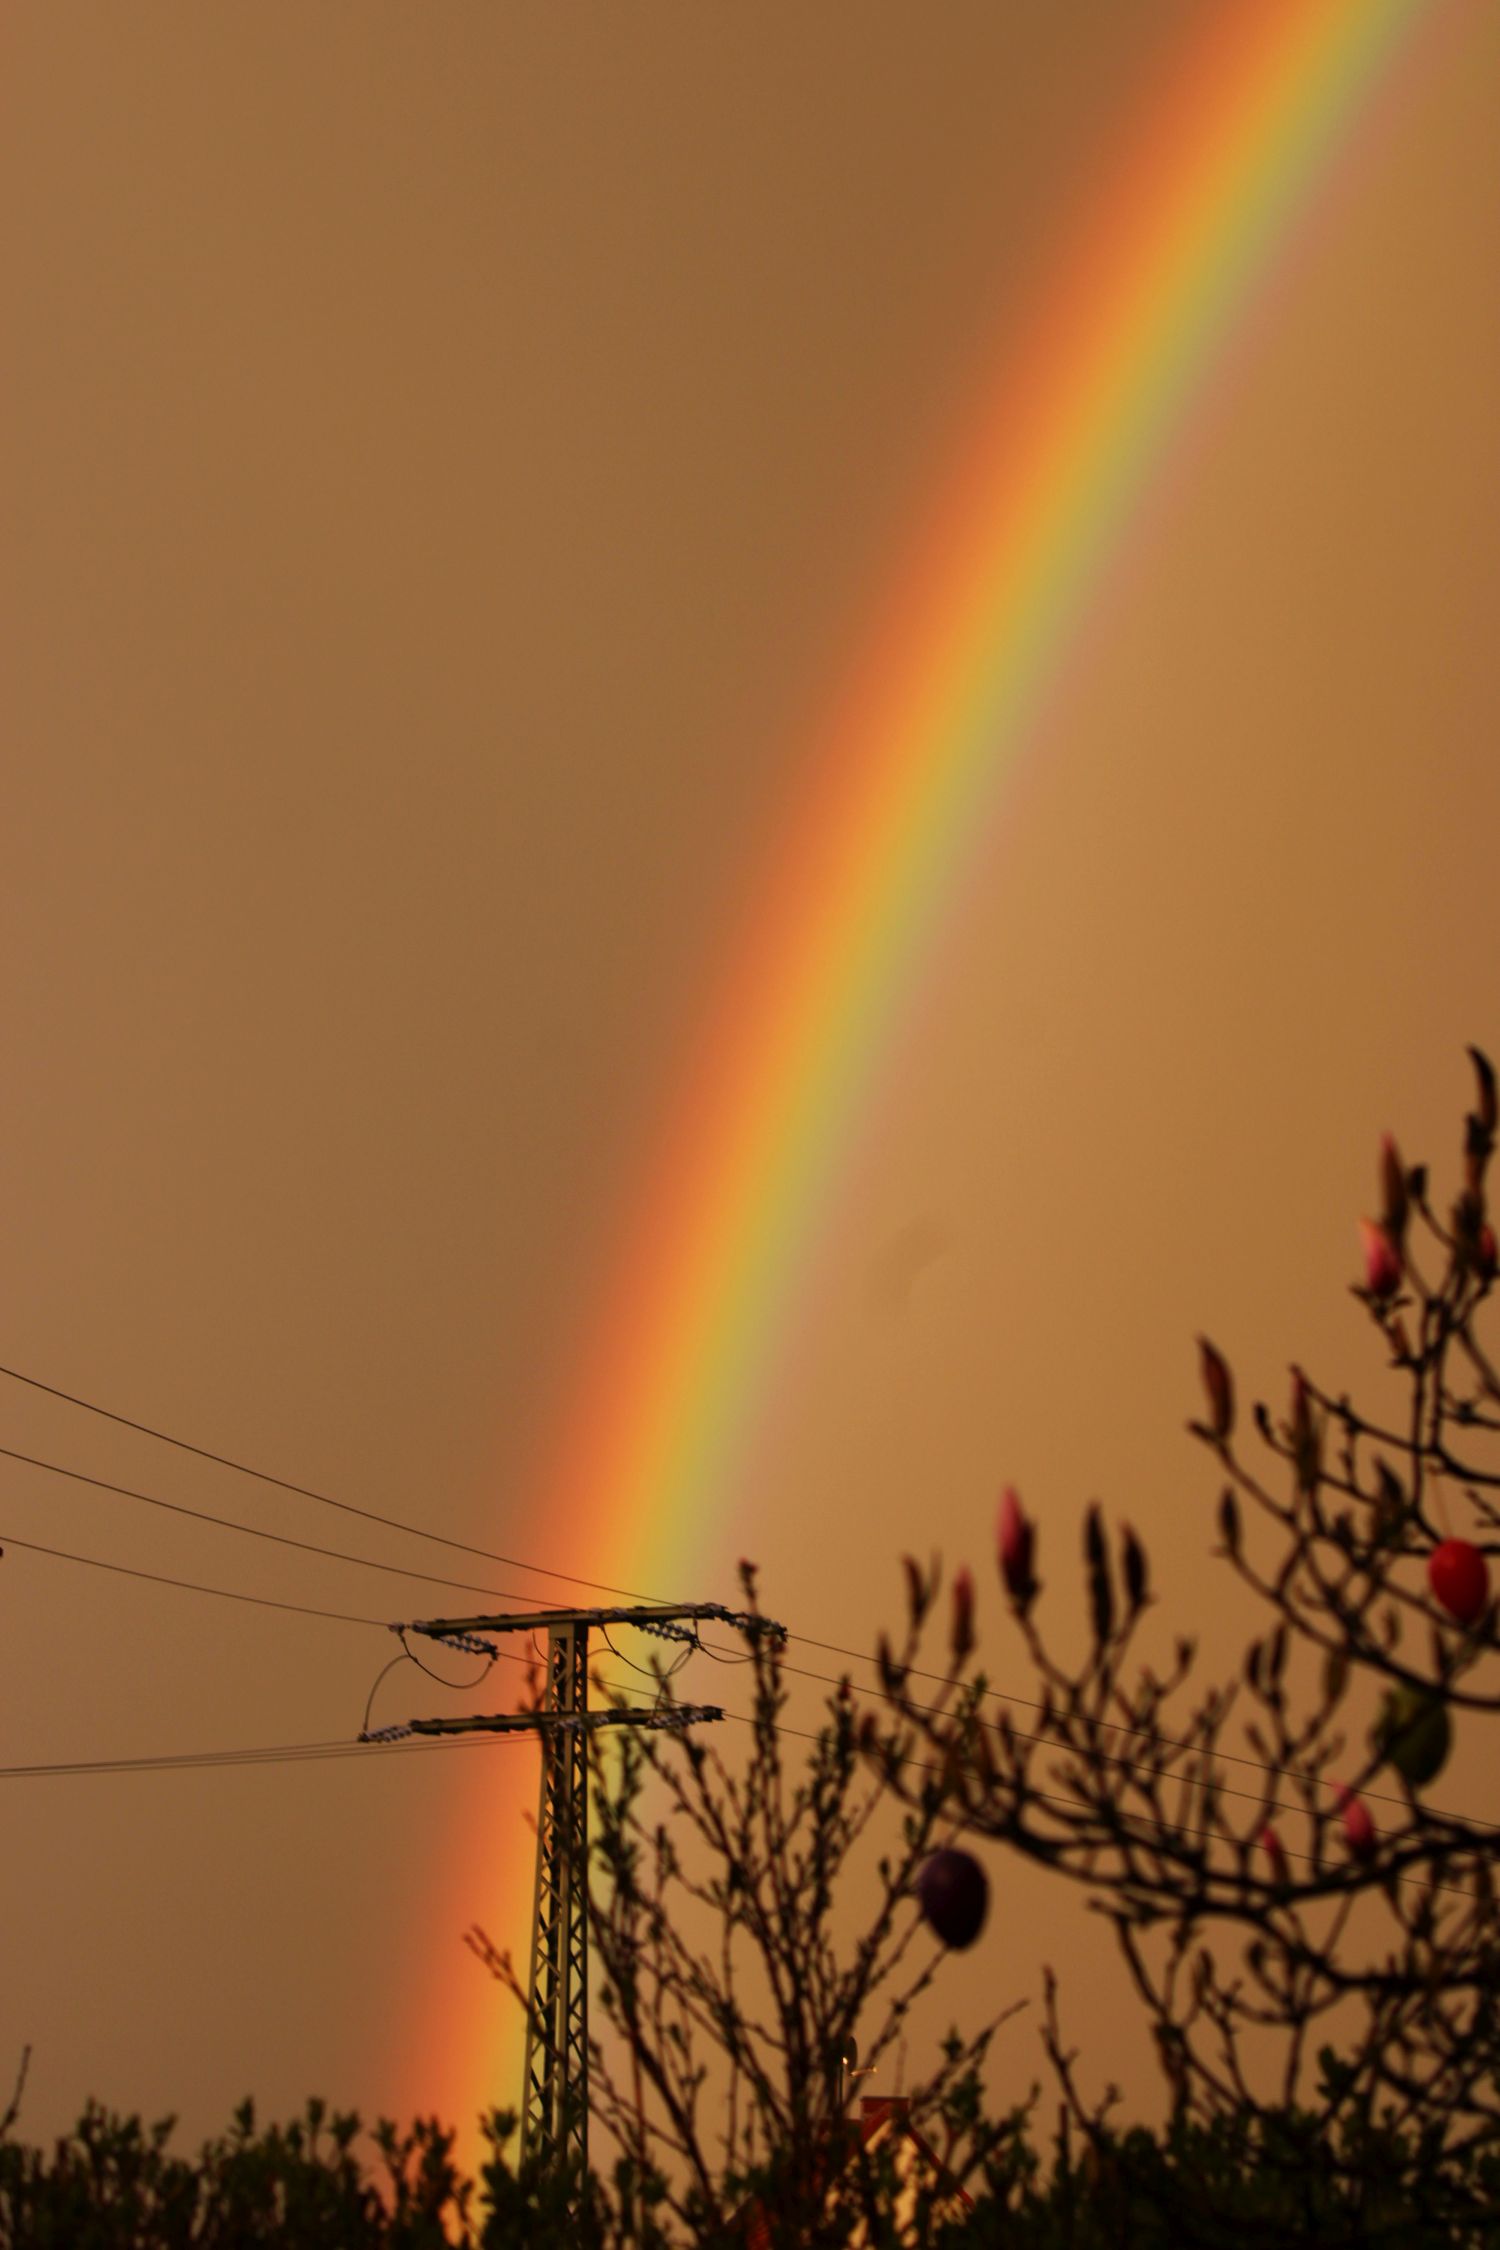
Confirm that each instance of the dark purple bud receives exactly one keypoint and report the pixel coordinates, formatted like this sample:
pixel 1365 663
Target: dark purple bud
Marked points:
pixel 954 1894
pixel 1017 1544
pixel 1133 1565
pixel 1220 1388
pixel 1101 1593
pixel 1392 1189
pixel 963 1614
pixel 1305 1436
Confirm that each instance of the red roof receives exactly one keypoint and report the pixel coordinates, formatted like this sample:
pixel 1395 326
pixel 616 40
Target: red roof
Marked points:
pixel 877 2112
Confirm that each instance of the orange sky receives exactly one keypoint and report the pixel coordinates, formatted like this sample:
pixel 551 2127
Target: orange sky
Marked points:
pixel 445 452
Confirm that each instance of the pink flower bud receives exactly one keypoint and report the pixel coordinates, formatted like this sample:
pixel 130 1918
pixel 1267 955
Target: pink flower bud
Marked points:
pixel 1359 1829
pixel 1270 1842
pixel 1460 1578
pixel 963 1613
pixel 1487 1251
pixel 1017 1541
pixel 1382 1260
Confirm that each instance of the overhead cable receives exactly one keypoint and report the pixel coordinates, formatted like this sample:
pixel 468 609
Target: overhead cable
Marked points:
pixel 256 1531
pixel 831 1648
pixel 307 1492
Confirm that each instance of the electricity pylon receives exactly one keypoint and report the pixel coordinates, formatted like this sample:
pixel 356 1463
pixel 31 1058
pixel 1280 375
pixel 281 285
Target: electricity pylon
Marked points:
pixel 555 2088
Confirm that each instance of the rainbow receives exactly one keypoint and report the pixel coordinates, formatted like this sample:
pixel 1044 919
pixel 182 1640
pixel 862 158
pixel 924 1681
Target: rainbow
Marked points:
pixel 1196 211
pixel 909 770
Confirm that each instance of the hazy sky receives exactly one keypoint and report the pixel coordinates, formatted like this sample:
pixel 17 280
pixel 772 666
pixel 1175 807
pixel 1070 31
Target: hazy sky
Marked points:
pixel 447 451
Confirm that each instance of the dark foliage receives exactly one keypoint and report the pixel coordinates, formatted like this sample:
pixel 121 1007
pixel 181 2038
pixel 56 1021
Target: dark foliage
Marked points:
pixel 114 2184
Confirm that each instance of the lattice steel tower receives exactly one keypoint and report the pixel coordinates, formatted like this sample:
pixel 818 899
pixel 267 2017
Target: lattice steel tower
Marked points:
pixel 555 2090
pixel 555 2115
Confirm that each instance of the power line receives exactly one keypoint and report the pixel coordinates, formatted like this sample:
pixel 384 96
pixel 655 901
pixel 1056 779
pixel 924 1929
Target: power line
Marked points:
pixel 190 1585
pixel 307 1753
pixel 540 1570
pixel 324 1499
pixel 826 1679
pixel 264 1601
pixel 537 1570
pixel 312 1753
pixel 256 1531
pixel 618 1687
pixel 304 1546
pixel 288 1753
pixel 297 1609
pixel 369 1515
pixel 831 1648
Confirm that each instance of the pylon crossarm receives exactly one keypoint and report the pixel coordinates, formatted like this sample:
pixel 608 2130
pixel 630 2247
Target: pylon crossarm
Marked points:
pixel 673 1715
pixel 647 1615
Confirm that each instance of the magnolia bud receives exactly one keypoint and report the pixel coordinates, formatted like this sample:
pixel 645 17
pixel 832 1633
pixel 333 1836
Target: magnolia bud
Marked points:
pixel 1392 1188
pixel 1382 1260
pixel 1101 1594
pixel 1489 1110
pixel 954 1893
pixel 1304 1435
pixel 1477 1146
pixel 1487 1251
pixel 1220 1388
pixel 963 1614
pixel 1359 1829
pixel 1468 1218
pixel 892 1677
pixel 1133 1565
pixel 1017 1543
pixel 1460 1578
